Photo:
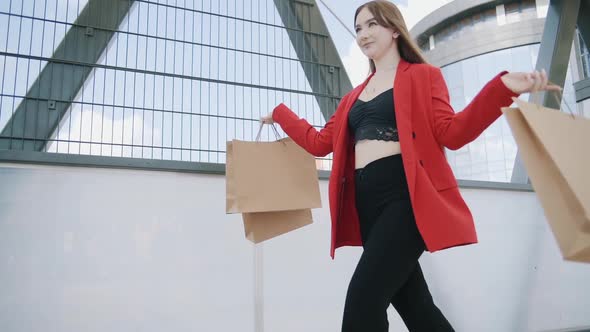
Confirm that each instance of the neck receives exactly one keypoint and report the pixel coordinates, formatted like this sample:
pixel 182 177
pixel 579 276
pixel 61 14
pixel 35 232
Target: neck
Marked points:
pixel 388 61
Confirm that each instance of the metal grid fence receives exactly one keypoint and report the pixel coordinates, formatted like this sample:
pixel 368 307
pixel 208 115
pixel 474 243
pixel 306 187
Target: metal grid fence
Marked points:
pixel 168 79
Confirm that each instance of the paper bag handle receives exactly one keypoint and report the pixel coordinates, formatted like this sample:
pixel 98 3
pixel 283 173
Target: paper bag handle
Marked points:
pixel 557 92
pixel 274 129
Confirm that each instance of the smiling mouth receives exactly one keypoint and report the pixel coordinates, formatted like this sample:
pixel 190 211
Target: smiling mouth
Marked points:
pixel 367 44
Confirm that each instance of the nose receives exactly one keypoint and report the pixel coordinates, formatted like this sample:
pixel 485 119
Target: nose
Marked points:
pixel 362 35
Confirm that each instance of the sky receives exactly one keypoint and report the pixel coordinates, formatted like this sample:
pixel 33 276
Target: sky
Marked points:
pixel 354 61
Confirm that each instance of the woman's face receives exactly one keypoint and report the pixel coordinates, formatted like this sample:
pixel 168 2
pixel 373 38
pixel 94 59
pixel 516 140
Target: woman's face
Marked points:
pixel 373 39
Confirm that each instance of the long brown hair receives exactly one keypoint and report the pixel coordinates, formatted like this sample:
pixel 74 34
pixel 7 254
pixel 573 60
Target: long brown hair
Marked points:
pixel 388 15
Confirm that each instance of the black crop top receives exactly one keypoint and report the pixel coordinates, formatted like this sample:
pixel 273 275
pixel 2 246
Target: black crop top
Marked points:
pixel 374 119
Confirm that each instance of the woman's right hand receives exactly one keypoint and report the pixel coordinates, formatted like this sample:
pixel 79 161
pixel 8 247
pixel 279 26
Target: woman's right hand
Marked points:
pixel 267 119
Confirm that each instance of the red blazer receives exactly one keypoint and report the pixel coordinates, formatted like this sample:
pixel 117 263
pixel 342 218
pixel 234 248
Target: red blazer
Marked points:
pixel 426 123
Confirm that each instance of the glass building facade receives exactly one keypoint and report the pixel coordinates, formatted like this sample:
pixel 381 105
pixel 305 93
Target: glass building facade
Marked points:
pixel 491 156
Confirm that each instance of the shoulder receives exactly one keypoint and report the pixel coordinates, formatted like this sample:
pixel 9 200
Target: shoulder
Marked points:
pixel 427 74
pixel 425 69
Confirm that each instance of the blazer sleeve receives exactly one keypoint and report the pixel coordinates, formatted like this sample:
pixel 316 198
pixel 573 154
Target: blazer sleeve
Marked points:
pixel 454 130
pixel 318 143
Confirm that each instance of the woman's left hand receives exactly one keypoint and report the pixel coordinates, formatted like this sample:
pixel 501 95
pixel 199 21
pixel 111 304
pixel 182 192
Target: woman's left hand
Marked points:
pixel 528 82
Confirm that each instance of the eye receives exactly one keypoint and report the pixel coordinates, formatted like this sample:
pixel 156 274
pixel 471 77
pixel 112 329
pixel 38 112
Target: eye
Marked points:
pixel 357 30
pixel 372 23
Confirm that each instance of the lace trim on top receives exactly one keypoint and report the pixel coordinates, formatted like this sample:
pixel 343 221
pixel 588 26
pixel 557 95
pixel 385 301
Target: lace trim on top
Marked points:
pixel 377 133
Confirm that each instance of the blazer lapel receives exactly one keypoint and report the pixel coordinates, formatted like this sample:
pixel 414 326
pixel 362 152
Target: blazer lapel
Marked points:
pixel 343 132
pixel 402 96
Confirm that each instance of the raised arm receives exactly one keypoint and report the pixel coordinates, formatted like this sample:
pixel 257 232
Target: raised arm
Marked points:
pixel 454 130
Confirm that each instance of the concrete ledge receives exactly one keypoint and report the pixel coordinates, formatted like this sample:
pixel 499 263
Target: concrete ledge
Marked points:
pixel 576 329
pixel 60 159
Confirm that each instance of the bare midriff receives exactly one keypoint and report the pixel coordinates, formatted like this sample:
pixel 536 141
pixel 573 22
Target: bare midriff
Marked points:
pixel 367 151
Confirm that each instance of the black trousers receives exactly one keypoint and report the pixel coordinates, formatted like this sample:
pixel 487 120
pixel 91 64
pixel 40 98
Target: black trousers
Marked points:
pixel 388 271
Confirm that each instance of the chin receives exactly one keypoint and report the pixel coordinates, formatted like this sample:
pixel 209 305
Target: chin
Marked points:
pixel 369 54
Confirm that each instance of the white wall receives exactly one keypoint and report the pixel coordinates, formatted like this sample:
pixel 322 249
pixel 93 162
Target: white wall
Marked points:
pixel 85 249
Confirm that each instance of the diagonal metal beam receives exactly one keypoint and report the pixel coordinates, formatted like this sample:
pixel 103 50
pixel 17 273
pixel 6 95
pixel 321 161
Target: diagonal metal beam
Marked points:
pixel 50 96
pixel 554 54
pixel 299 17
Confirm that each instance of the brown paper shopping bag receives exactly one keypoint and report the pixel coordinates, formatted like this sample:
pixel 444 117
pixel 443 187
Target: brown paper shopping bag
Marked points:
pixel 262 226
pixel 270 176
pixel 552 146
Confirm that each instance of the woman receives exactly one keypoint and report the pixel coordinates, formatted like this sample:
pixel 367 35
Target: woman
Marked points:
pixel 391 189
